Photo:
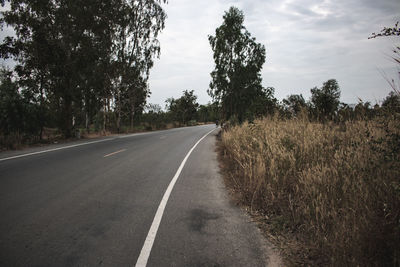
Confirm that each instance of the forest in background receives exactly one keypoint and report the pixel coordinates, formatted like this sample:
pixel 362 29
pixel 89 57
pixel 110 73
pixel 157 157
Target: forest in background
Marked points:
pixel 78 64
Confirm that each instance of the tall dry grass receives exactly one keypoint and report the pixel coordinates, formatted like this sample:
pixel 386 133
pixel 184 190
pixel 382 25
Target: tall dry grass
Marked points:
pixel 334 188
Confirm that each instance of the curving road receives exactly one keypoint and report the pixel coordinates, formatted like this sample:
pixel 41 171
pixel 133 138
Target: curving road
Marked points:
pixel 92 203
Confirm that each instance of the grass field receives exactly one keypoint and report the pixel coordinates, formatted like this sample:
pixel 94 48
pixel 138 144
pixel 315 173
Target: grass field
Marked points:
pixel 326 193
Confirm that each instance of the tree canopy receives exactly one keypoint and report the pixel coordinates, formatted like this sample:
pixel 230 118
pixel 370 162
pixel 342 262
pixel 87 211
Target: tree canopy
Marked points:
pixel 325 100
pixel 238 58
pixel 294 104
pixel 184 108
pixel 84 57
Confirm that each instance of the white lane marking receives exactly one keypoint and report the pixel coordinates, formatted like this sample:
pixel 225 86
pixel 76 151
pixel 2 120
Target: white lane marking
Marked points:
pixel 148 243
pixel 54 149
pixel 135 134
pixel 113 153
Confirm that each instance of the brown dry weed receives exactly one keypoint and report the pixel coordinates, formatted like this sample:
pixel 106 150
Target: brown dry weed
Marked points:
pixel 331 192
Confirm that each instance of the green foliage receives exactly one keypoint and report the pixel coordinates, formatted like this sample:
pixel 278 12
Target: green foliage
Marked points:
pixel 183 109
pixel 264 104
pixel 20 118
pixel 135 46
pixel 79 58
pixel 392 103
pixel 208 113
pixel 325 101
pixel 154 117
pixel 11 105
pixel 236 79
pixel 294 104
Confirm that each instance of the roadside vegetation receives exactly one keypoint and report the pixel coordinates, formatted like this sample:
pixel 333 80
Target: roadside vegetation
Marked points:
pixel 24 123
pixel 328 193
pixel 81 68
pixel 320 177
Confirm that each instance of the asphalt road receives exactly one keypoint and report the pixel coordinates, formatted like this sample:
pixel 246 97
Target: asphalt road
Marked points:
pixel 93 205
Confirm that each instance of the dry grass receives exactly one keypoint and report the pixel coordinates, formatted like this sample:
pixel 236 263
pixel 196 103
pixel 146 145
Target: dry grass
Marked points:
pixel 328 193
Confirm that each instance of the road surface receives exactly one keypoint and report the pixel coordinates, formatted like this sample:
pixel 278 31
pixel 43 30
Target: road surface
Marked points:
pixel 92 203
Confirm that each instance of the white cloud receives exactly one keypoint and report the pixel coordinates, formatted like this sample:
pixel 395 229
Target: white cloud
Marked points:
pixel 307 43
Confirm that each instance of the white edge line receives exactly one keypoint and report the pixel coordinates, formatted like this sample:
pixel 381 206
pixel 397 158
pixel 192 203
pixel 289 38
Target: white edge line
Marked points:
pixel 113 153
pixel 148 243
pixel 132 135
pixel 65 147
pixel 54 149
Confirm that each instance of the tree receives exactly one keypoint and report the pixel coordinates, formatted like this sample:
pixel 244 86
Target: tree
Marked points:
pixel 19 115
pixel 294 104
pixel 59 47
pixel 236 79
pixel 11 105
pixel 263 104
pixel 325 101
pixel 363 110
pixel 184 108
pixel 79 55
pixel 392 103
pixel 153 108
pixel 208 113
pixel 387 31
pixel 135 46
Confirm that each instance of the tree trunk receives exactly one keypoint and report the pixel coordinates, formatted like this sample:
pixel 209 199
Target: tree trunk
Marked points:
pixel 87 121
pixel 67 118
pixel 119 111
pixel 104 116
pixel 132 117
pixel 41 115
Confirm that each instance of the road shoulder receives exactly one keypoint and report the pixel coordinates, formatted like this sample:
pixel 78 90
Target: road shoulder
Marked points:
pixel 202 226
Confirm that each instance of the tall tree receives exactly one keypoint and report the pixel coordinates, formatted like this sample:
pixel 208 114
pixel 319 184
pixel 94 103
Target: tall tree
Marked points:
pixel 78 55
pixel 135 47
pixel 58 48
pixel 236 79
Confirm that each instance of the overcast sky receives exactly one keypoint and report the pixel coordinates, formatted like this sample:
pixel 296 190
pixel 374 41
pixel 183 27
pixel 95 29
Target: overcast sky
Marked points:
pixel 307 43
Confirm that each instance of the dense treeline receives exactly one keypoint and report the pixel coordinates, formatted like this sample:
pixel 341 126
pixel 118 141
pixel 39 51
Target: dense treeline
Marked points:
pixel 324 106
pixel 78 63
pixel 25 121
pixel 183 111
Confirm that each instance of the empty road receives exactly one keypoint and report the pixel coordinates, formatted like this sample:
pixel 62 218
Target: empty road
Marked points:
pixel 97 203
